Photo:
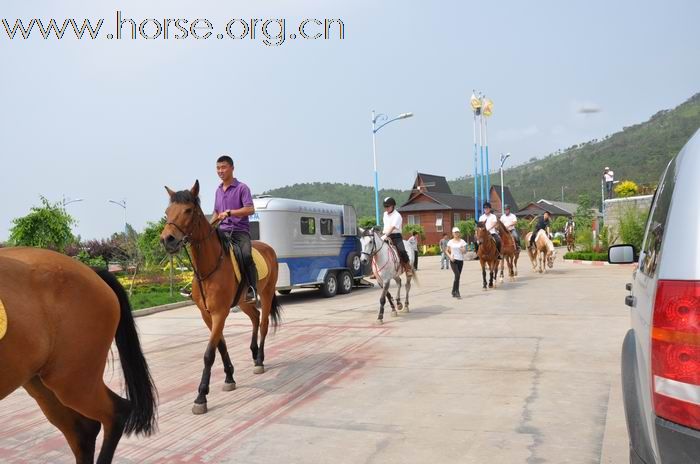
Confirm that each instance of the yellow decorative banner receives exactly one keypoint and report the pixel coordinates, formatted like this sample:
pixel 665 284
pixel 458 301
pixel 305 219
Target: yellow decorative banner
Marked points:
pixel 475 103
pixel 488 107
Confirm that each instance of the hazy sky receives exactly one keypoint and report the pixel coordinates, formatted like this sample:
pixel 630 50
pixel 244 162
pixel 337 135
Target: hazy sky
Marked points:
pixel 106 119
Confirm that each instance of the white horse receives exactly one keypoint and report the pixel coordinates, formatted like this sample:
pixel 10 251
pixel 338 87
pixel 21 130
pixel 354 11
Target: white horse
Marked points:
pixel 385 266
pixel 544 252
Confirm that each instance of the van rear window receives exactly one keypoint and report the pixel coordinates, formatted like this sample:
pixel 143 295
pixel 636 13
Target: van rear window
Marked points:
pixel 308 226
pixel 656 225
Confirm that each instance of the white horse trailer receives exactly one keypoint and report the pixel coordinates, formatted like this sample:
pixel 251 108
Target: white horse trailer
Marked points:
pixel 317 244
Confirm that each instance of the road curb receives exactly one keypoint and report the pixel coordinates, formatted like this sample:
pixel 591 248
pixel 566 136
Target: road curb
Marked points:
pixel 596 263
pixel 161 308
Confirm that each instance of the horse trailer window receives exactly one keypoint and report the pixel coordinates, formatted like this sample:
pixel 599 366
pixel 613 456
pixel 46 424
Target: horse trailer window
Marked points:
pixel 254 230
pixel 326 226
pixel 308 226
pixel 656 224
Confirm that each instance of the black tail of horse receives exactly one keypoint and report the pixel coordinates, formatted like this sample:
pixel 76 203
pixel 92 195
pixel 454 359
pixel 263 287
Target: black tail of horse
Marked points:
pixel 140 390
pixel 275 312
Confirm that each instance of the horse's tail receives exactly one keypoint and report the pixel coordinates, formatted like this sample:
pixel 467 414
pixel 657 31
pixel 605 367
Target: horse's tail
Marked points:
pixel 140 390
pixel 275 312
pixel 415 277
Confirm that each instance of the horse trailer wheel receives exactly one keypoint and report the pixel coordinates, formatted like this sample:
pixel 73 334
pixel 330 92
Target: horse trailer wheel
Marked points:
pixel 354 263
pixel 346 283
pixel 330 285
pixel 285 291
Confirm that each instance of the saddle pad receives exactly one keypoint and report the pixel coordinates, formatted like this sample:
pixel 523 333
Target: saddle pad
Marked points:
pixel 259 261
pixel 3 320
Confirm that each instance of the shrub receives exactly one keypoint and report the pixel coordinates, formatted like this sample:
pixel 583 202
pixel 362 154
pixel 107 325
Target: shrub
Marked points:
pixel 586 256
pixel 366 222
pixel 556 242
pixel 432 250
pixel 626 188
pixel 584 239
pixel 632 224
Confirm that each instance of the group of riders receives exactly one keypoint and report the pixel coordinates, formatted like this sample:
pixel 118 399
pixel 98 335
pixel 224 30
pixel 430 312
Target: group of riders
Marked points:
pixel 234 204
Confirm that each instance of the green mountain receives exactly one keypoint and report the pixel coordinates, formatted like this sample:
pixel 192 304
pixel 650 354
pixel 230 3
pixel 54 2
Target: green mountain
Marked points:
pixel 638 153
pixel 360 196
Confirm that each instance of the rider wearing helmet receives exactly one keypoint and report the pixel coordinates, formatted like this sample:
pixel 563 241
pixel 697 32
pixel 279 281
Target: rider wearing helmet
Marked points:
pixel 509 221
pixel 570 226
pixel 490 222
pixel 392 230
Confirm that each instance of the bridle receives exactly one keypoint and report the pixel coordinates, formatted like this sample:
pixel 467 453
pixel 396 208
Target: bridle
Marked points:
pixel 374 250
pixel 187 239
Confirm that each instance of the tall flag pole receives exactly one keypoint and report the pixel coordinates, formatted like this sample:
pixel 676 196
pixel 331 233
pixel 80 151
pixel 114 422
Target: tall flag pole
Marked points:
pixel 476 108
pixel 481 170
pixel 487 110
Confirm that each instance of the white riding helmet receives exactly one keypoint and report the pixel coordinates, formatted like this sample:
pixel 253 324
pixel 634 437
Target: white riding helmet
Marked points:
pixel 455 229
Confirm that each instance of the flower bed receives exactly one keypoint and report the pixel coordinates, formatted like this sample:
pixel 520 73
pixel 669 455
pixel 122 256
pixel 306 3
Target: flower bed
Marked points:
pixel 586 256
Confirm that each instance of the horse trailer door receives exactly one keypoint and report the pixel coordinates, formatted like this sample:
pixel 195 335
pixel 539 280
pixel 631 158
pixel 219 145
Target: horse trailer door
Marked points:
pixel 349 221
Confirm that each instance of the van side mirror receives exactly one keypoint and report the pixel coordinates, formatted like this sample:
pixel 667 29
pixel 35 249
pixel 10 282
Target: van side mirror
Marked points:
pixel 621 254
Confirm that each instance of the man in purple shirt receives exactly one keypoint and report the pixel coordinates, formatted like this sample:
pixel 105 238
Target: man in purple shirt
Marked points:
pixel 232 206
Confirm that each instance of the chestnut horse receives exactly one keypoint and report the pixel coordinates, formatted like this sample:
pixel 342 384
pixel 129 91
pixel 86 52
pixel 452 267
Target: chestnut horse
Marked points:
pixel 509 251
pixel 570 241
pixel 59 318
pixel 487 253
pixel 215 285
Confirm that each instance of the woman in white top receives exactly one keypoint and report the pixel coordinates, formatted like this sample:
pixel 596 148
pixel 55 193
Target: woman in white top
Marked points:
pixel 456 249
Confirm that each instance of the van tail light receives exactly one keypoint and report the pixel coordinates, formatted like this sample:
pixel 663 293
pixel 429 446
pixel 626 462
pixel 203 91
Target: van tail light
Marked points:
pixel 675 352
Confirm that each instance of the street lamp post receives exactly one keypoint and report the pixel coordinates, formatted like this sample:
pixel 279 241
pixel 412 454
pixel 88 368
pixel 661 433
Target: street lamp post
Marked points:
pixel 378 121
pixel 68 201
pixel 503 160
pixel 123 205
pixel 562 192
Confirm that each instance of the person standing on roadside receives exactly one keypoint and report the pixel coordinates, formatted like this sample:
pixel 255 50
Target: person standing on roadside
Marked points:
pixel 444 259
pixel 456 249
pixel 609 177
pixel 413 241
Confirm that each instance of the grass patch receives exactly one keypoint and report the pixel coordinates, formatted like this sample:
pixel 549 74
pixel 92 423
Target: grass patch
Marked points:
pixel 153 295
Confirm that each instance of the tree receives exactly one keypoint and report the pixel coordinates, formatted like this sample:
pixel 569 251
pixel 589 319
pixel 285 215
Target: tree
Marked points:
pixel 632 224
pixel 149 244
pixel 367 222
pixel 626 188
pixel 467 229
pixel 46 226
pixel 409 228
pixel 558 224
pixel 584 214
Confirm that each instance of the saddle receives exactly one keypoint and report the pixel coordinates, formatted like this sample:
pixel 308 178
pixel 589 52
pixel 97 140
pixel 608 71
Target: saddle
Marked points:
pixel 3 320
pixel 236 257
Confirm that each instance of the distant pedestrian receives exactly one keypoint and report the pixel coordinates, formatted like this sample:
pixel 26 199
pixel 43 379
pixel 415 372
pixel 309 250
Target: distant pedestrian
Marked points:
pixel 444 259
pixel 456 249
pixel 413 241
pixel 609 177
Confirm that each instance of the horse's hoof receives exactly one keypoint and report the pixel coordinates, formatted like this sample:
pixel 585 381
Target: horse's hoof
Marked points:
pixel 198 409
pixel 379 322
pixel 258 369
pixel 394 313
pixel 227 387
pixel 399 306
pixel 483 289
pixel 404 310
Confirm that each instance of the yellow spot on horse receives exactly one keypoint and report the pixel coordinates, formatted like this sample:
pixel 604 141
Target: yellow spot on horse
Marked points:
pixel 260 265
pixel 3 320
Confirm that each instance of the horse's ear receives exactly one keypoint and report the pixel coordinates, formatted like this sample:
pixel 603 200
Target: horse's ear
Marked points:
pixel 195 189
pixel 170 192
pixel 361 231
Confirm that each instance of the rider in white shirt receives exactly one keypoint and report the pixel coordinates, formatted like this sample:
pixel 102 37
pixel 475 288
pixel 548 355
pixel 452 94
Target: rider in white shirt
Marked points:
pixel 392 231
pixel 570 226
pixel 490 222
pixel 509 221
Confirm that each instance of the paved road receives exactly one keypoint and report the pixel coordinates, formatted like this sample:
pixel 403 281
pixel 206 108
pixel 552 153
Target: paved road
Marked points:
pixel 526 373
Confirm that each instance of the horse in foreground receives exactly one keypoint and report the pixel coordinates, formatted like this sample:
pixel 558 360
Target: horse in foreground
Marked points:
pixel 509 251
pixel 544 254
pixel 58 318
pixel 487 253
pixel 215 285
pixel 386 266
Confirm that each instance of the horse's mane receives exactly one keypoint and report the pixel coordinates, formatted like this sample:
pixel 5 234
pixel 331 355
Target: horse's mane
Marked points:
pixel 501 227
pixel 184 196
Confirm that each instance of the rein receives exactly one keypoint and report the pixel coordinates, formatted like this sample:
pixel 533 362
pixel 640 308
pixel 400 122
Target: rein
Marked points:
pixel 187 239
pixel 393 258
